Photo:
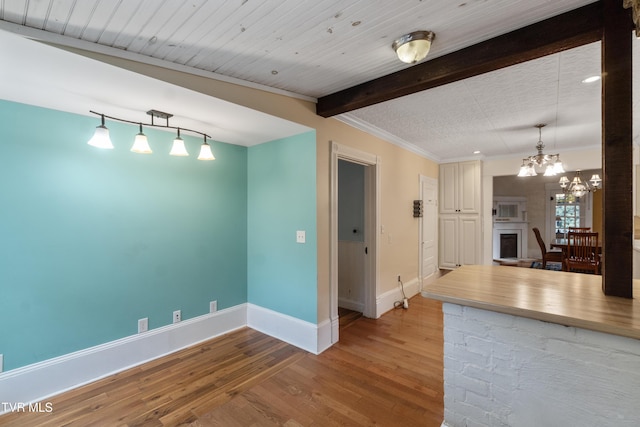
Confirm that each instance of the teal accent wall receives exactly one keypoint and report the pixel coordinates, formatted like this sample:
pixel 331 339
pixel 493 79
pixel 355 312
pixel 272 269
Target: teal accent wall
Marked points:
pixel 350 201
pixel 92 240
pixel 282 274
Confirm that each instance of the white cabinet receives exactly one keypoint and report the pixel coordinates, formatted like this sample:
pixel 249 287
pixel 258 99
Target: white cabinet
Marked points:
pixel 460 214
pixel 460 240
pixel 460 187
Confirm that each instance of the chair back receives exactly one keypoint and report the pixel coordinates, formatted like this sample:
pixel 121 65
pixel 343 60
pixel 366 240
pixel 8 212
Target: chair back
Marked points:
pixel 543 247
pixel 580 229
pixel 582 251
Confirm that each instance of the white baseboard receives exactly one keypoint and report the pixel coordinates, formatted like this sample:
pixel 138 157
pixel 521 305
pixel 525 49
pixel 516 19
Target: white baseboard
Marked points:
pixel 385 302
pixel 305 335
pixel 39 381
pixel 351 304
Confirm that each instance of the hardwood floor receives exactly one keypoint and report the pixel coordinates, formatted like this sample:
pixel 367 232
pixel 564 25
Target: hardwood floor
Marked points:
pixel 385 372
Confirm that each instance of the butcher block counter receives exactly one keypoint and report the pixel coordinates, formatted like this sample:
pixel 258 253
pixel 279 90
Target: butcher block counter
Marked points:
pixel 569 299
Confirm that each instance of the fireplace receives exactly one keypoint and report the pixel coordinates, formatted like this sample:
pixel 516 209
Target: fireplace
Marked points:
pixel 510 229
pixel 510 240
pixel 509 245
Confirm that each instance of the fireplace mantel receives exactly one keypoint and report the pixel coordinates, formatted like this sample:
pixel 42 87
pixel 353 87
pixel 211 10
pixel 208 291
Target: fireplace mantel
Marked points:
pixel 520 228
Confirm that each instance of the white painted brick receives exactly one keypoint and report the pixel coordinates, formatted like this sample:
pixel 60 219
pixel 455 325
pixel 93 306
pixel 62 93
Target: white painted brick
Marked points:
pixel 501 350
pixel 454 418
pixel 473 413
pixel 479 345
pixel 503 396
pixel 453 364
pixel 477 373
pixel 471 384
pixel 481 402
pixel 473 423
pixel 453 336
pixel 486 316
pixel 463 353
pixel 546 329
pixel 510 335
pixel 452 309
pixel 623 344
pixel 524 372
pixel 497 421
pixel 469 327
pixel 504 378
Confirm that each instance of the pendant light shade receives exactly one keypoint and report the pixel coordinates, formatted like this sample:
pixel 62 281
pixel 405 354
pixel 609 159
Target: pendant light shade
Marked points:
pixel 141 144
pixel 413 47
pixel 101 138
pixel 205 151
pixel 178 148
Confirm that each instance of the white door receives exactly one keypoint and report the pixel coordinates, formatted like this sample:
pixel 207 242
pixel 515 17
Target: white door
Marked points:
pixel 429 229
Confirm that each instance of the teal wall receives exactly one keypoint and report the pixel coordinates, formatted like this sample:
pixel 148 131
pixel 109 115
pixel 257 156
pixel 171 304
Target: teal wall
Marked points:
pixel 350 201
pixel 282 274
pixel 92 240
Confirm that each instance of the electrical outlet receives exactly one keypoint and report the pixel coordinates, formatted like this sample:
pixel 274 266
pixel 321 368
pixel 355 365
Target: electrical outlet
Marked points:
pixel 213 306
pixel 143 325
pixel 301 236
pixel 1 362
pixel 177 316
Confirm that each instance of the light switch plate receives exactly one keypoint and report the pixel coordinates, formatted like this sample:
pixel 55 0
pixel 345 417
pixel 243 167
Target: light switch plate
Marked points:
pixel 301 236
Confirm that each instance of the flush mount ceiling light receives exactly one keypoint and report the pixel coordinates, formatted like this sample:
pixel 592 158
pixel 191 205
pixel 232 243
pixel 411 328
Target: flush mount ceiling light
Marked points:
pixel 141 144
pixel 551 162
pixel 413 47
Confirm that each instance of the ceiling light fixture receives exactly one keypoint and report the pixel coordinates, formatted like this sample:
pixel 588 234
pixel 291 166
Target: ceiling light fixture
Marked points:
pixel 101 138
pixel 579 188
pixel 413 47
pixel 551 161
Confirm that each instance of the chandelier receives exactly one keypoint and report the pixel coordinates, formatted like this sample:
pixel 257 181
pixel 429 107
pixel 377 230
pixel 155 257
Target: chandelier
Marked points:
pixel 551 162
pixel 577 187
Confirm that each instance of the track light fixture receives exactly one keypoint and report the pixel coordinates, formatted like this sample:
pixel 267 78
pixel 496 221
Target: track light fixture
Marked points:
pixel 101 138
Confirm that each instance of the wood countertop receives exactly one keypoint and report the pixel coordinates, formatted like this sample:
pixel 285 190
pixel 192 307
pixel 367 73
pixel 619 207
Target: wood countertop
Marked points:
pixel 571 299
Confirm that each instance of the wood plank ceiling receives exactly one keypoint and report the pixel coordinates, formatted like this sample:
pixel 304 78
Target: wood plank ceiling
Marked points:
pixel 314 49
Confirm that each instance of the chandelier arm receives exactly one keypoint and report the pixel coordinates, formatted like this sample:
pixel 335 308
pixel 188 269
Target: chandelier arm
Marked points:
pixel 149 124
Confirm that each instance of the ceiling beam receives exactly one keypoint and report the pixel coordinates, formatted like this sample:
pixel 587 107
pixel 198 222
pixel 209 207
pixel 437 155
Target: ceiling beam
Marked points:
pixel 566 31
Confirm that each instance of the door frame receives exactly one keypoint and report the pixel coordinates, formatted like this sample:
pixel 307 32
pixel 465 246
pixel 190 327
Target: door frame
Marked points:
pixel 423 180
pixel 371 215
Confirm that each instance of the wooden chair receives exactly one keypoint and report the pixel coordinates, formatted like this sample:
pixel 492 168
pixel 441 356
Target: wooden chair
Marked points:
pixel 550 256
pixel 582 253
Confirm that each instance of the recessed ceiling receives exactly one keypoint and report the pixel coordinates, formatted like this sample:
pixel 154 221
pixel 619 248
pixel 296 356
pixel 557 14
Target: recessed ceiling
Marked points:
pixel 312 49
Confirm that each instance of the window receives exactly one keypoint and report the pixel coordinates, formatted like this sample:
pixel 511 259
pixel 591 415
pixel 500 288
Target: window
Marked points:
pixel 569 213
